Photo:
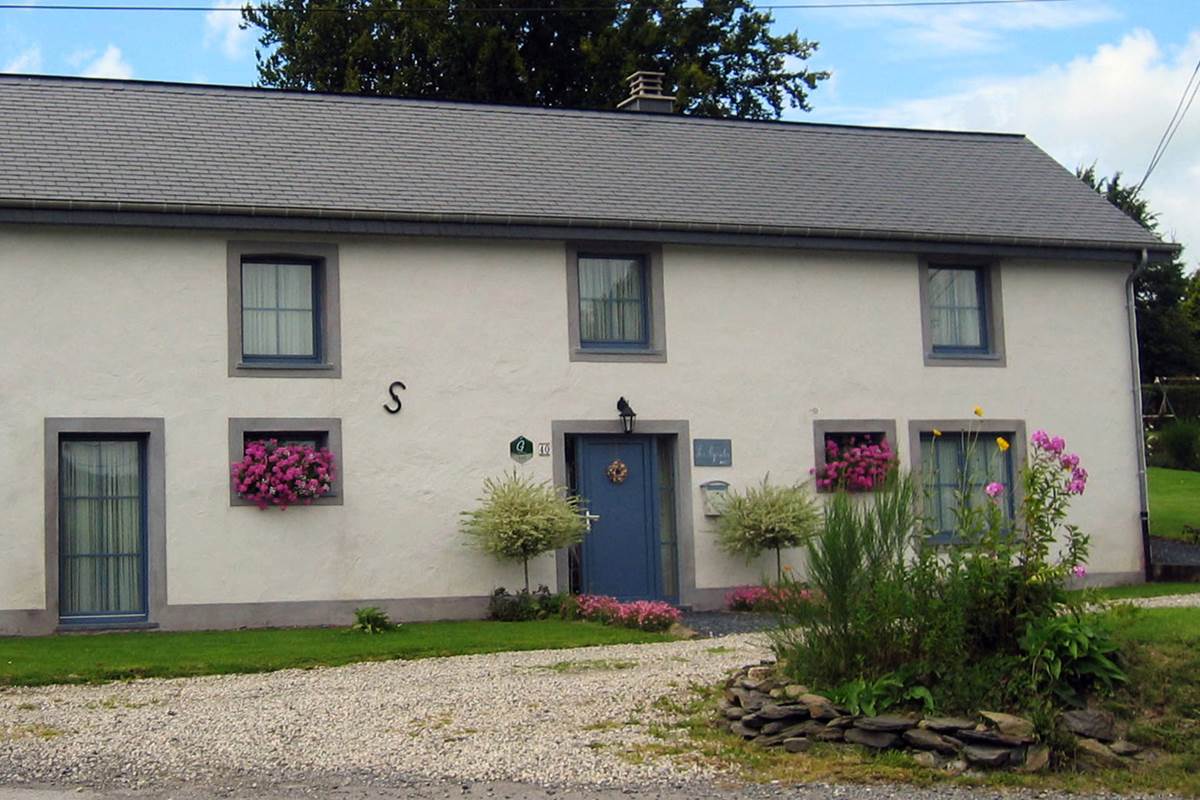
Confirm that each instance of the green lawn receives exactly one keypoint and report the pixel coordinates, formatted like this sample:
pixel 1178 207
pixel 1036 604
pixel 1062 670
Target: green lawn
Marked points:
pixel 115 656
pixel 1174 501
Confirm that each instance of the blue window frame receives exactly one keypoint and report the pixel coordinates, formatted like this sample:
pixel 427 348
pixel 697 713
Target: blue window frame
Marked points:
pixel 102 513
pixel 959 309
pixel 614 308
pixel 961 464
pixel 281 311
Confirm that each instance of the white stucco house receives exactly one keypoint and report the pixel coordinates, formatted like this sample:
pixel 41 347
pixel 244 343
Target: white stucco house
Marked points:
pixel 187 268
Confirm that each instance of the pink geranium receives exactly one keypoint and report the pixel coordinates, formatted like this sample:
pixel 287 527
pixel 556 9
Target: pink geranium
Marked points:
pixel 646 615
pixel 277 474
pixel 859 466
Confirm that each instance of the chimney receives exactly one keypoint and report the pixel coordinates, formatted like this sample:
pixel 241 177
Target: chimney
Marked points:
pixel 646 93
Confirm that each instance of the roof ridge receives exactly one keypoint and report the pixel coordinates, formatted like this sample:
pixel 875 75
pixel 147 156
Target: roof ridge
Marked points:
pixel 301 95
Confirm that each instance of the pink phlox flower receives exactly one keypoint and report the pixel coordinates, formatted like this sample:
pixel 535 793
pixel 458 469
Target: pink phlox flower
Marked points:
pixel 993 489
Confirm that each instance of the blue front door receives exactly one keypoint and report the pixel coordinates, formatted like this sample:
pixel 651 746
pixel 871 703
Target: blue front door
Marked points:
pixel 617 478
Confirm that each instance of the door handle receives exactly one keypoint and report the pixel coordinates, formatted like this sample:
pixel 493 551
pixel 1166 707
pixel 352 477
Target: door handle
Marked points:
pixel 589 518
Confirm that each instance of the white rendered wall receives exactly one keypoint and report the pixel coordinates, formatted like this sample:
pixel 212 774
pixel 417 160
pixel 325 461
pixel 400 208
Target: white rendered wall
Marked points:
pixel 759 342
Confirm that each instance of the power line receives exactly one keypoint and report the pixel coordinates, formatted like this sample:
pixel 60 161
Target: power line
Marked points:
pixel 852 4
pixel 1181 110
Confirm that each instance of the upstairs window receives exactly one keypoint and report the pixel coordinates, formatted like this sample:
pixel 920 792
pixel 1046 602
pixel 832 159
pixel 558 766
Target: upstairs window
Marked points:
pixel 615 302
pixel 613 310
pixel 284 319
pixel 958 310
pixel 280 311
pixel 961 314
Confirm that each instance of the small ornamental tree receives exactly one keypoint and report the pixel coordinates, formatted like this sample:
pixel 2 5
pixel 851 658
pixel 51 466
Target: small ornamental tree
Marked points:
pixel 518 519
pixel 767 517
pixel 277 474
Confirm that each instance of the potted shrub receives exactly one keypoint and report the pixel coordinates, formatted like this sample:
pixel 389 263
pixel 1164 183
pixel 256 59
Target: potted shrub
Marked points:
pixel 767 517
pixel 519 518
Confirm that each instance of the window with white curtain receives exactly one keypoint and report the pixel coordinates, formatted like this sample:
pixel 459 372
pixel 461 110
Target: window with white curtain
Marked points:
pixel 613 301
pixel 958 309
pixel 279 310
pixel 955 467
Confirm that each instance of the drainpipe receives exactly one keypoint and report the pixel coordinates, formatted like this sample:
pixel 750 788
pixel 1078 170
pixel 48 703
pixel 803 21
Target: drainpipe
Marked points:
pixel 1143 495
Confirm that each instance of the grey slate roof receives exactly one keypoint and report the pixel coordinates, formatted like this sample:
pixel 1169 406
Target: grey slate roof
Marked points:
pixel 166 147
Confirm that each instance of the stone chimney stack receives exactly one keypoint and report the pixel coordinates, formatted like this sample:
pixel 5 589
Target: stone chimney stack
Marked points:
pixel 646 94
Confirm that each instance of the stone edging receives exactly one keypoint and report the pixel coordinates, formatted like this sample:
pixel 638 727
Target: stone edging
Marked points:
pixel 772 713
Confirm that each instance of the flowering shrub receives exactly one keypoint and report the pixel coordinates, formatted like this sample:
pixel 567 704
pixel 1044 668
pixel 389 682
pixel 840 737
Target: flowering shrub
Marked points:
pixel 959 617
pixel 271 473
pixel 766 598
pixel 856 466
pixel 646 615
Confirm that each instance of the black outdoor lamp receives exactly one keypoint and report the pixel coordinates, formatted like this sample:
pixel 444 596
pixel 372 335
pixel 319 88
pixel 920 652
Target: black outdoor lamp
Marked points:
pixel 628 415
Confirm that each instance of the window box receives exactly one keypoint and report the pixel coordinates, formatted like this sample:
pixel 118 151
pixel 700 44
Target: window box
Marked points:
pixel 842 432
pixel 314 432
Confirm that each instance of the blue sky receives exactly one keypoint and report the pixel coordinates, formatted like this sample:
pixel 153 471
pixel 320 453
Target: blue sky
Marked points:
pixel 1088 80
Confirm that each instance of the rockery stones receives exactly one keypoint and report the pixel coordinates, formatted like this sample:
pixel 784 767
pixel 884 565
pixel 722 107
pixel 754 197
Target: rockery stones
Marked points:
pixel 771 712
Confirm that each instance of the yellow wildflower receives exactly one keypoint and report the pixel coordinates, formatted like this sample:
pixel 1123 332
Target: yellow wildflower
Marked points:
pixel 936 432
pixel 1002 443
pixel 979 411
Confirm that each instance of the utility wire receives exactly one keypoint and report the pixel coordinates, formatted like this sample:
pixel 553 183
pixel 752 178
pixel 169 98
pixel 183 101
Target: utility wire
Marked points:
pixel 1181 110
pixel 852 4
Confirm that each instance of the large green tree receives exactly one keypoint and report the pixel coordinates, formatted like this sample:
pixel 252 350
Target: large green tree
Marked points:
pixel 1168 328
pixel 720 57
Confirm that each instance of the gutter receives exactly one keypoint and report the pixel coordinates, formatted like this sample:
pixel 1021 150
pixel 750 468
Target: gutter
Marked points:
pixel 1143 494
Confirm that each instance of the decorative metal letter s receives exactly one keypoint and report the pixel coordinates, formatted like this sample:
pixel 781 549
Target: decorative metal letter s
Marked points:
pixel 395 397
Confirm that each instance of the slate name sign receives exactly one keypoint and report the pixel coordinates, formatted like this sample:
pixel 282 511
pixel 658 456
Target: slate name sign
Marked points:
pixel 712 452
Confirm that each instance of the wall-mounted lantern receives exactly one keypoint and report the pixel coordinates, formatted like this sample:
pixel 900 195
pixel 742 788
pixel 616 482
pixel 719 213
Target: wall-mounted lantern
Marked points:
pixel 628 415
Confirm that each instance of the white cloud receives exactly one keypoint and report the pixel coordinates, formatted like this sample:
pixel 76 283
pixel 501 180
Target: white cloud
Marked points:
pixel 110 64
pixel 930 31
pixel 223 28
pixel 28 60
pixel 1109 107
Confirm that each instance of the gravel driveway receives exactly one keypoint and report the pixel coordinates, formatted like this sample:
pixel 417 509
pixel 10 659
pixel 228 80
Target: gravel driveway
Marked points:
pixel 546 717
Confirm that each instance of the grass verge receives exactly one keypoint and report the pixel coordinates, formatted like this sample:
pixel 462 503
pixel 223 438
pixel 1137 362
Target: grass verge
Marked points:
pixel 79 658
pixel 1174 501
pixel 1160 706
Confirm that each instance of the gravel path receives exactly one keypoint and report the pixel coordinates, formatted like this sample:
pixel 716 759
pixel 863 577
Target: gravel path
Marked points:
pixel 1165 601
pixel 544 717
pixel 724 623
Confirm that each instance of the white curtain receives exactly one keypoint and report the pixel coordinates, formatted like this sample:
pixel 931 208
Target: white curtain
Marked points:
pixel 954 463
pixel 277 310
pixel 101 547
pixel 955 308
pixel 611 307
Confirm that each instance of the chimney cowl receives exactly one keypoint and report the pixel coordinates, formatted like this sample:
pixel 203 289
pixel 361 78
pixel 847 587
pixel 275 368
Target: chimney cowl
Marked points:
pixel 646 93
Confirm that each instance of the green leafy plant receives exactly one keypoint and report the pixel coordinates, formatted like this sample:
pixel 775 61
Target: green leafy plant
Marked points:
pixel 371 619
pixel 519 518
pixel 860 696
pixel 767 517
pixel 524 605
pixel 1068 656
pixel 1177 445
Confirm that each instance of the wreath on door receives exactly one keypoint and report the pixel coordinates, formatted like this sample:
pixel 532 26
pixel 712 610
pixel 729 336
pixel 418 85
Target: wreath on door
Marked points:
pixel 617 472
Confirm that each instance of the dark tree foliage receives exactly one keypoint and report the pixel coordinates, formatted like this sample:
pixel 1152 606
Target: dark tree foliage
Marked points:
pixel 720 57
pixel 1168 330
